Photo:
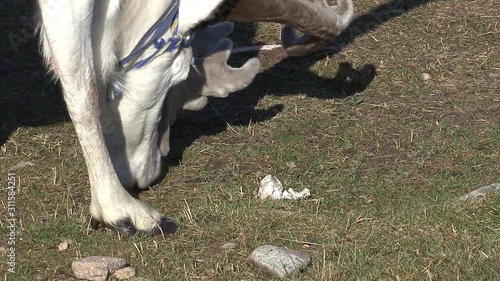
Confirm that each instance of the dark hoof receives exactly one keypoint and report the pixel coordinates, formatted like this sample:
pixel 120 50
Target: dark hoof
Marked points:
pixel 94 224
pixel 167 226
pixel 126 228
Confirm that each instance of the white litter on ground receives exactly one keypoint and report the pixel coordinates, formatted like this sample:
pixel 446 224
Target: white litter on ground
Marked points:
pixel 271 188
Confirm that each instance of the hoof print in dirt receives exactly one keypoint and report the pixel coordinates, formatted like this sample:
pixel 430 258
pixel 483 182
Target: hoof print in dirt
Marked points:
pixel 279 262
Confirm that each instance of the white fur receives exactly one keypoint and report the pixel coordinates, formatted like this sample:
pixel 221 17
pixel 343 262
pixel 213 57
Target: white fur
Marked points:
pixel 83 40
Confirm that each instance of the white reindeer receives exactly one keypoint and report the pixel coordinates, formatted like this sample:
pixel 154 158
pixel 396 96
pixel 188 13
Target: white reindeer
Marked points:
pixel 126 70
pixel 84 41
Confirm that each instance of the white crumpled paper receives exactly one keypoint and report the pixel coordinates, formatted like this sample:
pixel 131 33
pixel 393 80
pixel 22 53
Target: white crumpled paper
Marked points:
pixel 271 188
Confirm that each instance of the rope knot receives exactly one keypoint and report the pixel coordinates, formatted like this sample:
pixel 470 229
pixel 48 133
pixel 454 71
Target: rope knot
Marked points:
pixel 159 43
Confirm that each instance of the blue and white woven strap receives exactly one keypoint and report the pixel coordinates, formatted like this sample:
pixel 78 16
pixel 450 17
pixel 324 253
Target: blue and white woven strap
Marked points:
pixel 168 21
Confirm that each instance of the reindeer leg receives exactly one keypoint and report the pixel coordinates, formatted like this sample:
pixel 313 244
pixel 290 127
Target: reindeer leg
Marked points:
pixel 68 34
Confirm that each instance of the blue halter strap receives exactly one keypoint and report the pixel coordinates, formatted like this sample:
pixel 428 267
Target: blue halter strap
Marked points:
pixel 168 21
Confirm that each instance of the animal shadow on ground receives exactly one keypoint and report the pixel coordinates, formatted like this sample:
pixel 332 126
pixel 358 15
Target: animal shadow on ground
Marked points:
pixel 286 77
pixel 30 99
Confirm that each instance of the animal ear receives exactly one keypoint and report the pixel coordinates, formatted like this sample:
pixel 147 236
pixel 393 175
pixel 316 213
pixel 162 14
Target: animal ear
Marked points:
pixel 222 79
pixel 212 76
pixel 205 40
pixel 193 12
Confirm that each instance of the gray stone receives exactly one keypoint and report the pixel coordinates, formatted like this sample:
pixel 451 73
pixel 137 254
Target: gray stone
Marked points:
pixel 482 191
pixel 278 261
pixel 97 268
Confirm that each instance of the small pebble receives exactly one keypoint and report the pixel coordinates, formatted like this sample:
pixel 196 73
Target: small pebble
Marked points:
pixel 64 245
pixel 425 76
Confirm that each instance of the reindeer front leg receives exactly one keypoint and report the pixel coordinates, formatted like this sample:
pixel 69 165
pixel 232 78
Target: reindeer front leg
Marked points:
pixel 67 34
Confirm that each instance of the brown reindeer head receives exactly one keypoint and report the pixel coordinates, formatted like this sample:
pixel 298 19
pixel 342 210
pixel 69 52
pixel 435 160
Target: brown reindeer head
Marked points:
pixel 319 22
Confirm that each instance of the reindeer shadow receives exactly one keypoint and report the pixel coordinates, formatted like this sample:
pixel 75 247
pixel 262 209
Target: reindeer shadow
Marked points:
pixel 29 99
pixel 239 108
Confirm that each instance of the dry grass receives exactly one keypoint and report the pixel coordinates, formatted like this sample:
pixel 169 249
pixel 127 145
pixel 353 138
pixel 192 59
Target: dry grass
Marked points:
pixel 386 156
